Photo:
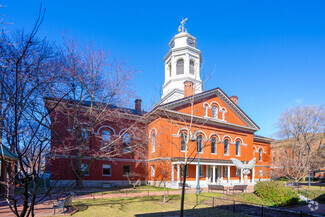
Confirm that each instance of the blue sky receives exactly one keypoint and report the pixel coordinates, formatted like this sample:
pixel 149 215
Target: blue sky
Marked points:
pixel 271 54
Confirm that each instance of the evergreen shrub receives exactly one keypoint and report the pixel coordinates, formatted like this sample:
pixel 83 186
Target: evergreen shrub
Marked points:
pixel 276 192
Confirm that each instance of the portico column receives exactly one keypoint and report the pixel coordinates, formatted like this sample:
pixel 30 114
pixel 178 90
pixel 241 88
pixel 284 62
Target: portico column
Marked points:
pixel 173 173
pixel 221 168
pixel 214 174
pixel 178 172
pixel 241 176
pixel 253 174
pixel 228 174
pixel 206 173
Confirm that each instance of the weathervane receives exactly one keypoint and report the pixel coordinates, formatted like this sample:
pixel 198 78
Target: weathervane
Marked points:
pixel 181 27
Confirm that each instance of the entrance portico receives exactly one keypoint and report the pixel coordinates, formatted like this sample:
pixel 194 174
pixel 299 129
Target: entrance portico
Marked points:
pixel 219 172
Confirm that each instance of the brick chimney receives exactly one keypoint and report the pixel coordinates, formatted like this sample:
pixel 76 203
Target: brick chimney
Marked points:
pixel 234 99
pixel 138 105
pixel 188 88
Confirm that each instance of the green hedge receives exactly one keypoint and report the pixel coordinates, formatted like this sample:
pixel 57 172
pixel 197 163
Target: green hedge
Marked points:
pixel 276 192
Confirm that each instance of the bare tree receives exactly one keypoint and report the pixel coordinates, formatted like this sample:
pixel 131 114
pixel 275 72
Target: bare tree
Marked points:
pixel 96 83
pixel 302 130
pixel 25 125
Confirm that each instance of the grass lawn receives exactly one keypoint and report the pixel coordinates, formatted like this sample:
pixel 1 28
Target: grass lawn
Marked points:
pixel 122 189
pixel 141 206
pixel 318 195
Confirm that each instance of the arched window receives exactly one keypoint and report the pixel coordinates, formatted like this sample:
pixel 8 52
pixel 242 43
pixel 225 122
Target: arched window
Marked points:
pixel 106 138
pixel 180 67
pixel 205 110
pixel 153 142
pixel 226 147
pixel 237 148
pixel 126 143
pixel 183 141
pixel 213 145
pixel 214 111
pixel 199 143
pixel 260 155
pixel 223 113
pixel 191 67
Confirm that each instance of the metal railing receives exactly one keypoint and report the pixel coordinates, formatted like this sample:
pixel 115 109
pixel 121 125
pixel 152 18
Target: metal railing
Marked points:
pixel 255 209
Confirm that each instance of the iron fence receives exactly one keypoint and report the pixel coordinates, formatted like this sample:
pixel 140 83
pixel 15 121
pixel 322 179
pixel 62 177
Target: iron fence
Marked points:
pixel 254 209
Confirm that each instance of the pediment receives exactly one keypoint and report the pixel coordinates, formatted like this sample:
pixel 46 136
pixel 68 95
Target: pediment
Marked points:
pixel 204 103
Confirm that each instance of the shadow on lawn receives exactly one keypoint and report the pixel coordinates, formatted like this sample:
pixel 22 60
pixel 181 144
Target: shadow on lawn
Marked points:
pixel 84 204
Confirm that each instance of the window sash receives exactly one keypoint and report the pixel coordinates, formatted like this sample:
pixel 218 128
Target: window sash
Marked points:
pixel 106 170
pixel 226 147
pixel 237 148
pixel 126 170
pixel 183 141
pixel 152 170
pixel 213 145
pixel 180 67
pixel 199 143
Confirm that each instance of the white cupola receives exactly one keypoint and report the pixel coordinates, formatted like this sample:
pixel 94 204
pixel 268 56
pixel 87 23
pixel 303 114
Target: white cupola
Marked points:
pixel 182 63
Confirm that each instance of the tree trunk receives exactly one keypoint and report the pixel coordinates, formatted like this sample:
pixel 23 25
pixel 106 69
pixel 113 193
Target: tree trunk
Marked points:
pixel 164 192
pixel 183 190
pixel 79 183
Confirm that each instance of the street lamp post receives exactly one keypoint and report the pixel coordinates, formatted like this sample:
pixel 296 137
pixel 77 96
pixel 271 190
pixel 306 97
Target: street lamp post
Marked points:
pixel 198 171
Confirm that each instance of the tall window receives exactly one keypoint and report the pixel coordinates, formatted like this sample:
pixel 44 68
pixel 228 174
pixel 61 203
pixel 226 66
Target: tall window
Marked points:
pixel 237 148
pixel 126 143
pixel 107 170
pixel 237 171
pixel 214 111
pixel 152 170
pixel 191 67
pixel 180 67
pixel 84 137
pixel 205 110
pixel 126 170
pixel 273 157
pixel 153 142
pixel 199 143
pixel 260 155
pixel 225 172
pixel 213 145
pixel 183 141
pixel 84 168
pixel 223 111
pixel 106 138
pixel 226 147
pixel 261 173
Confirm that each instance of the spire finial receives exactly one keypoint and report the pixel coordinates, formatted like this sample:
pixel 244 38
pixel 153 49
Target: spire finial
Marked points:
pixel 181 28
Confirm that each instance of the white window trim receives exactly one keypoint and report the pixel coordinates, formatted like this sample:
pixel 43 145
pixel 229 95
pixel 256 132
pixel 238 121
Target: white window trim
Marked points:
pixel 239 149
pixel 87 174
pixel 110 169
pixel 153 174
pixel 129 173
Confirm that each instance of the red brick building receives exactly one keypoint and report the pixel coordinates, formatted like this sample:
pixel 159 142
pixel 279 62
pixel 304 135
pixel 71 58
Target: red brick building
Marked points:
pixel 218 128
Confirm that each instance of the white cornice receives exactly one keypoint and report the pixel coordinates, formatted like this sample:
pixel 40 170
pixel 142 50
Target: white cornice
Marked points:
pixel 225 98
pixel 206 120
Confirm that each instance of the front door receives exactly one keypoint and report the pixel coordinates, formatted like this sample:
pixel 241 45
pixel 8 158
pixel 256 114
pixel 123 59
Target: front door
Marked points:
pixel 216 178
